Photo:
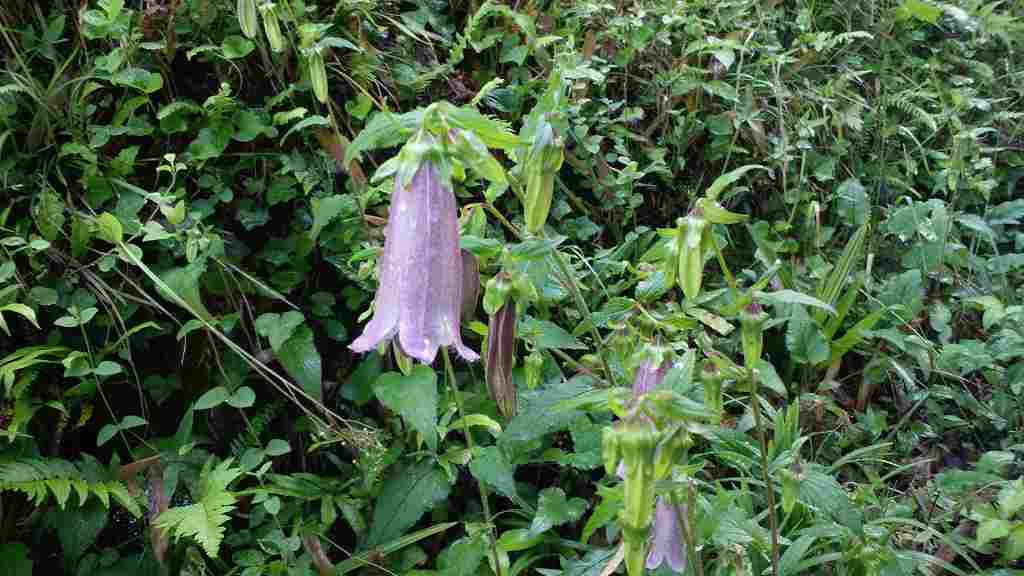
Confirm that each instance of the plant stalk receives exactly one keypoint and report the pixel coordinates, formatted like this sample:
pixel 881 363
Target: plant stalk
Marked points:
pixel 773 520
pixel 450 373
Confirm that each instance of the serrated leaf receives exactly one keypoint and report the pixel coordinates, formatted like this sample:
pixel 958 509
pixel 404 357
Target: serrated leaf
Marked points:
pixel 804 339
pixel 553 509
pixel 278 328
pixel 546 334
pixel 493 468
pixel 408 492
pixel 327 209
pixel 414 397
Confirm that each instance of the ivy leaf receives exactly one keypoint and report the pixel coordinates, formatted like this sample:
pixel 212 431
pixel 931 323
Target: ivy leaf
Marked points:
pixel 408 493
pixel 414 397
pixel 554 510
pixel 493 468
pixel 301 360
pixel 804 339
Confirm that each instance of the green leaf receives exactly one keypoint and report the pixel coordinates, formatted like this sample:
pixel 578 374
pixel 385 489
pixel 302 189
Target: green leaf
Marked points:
pixel 301 360
pixel 790 561
pixel 15 558
pixel 787 296
pixel 408 492
pixel 244 397
pixel 546 334
pixel 593 563
pixel 205 519
pixel 305 123
pixel 1011 498
pixel 463 557
pixel 1013 548
pixel 493 468
pixel 109 228
pixel 234 47
pixel 78 528
pixel 918 10
pixel 139 79
pixel 728 179
pixel 991 529
pixel 107 368
pixel 804 339
pixel 327 209
pixel 278 328
pixel 277 447
pixel 414 397
pixel 213 398
pixel 553 509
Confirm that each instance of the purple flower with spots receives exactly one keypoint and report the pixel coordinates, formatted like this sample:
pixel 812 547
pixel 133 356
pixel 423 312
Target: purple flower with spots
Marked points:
pixel 419 297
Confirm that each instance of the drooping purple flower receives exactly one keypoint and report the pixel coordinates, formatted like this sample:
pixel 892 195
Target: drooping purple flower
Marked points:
pixel 667 537
pixel 419 295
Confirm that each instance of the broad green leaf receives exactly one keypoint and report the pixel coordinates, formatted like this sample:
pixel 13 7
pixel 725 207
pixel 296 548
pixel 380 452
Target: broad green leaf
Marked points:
pixel 921 10
pixel 305 123
pixel 234 47
pixel 109 228
pixel 301 360
pixel 244 397
pixel 414 397
pixel 212 398
pixel 553 509
pixel 1011 498
pixel 463 557
pixel 804 339
pixel 327 209
pixel 408 492
pixel 493 468
pixel 790 561
pixel 546 334
pixel 107 368
pixel 139 79
pixel 78 528
pixel 277 447
pixel 278 328
pixel 991 529
pixel 1013 548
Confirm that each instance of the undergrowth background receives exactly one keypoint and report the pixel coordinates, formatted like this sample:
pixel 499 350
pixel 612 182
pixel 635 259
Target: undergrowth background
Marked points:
pixel 189 231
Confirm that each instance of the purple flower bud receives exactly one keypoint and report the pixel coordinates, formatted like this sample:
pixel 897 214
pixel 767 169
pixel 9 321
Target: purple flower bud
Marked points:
pixel 470 285
pixel 419 295
pixel 667 537
pixel 648 376
pixel 501 346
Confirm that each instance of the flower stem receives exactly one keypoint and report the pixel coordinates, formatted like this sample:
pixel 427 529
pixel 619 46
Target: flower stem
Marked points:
pixel 686 524
pixel 450 373
pixel 574 289
pixel 773 521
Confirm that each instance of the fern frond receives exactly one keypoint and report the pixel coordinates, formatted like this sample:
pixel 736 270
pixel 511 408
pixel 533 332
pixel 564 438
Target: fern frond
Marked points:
pixel 204 520
pixel 39 478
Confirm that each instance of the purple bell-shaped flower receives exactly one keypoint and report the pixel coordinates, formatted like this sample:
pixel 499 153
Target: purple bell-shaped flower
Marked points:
pixel 419 296
pixel 667 537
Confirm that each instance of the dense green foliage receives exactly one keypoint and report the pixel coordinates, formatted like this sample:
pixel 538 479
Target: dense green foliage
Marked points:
pixel 807 213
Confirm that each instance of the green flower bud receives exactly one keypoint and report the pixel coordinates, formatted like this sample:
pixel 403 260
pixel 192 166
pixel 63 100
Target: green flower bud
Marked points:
pixel 752 319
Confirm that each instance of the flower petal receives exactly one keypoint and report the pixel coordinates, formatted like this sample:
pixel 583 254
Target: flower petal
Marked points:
pixel 430 291
pixel 666 538
pixel 648 377
pixel 384 323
